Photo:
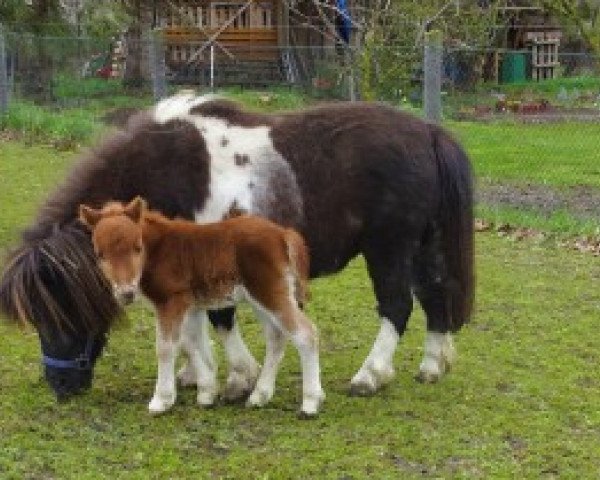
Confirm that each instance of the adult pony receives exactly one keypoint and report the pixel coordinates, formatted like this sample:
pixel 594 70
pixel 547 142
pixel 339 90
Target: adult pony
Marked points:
pixel 352 178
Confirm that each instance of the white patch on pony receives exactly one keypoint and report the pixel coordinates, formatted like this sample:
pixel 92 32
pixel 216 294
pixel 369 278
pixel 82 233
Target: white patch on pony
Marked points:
pixel 256 186
pixel 173 107
pixel 438 357
pixel 378 367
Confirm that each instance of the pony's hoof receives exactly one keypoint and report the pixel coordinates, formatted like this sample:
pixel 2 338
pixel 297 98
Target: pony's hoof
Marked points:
pixel 432 369
pixel 311 405
pixel 237 388
pixel 158 405
pixel 259 398
pixel 186 377
pixel 368 380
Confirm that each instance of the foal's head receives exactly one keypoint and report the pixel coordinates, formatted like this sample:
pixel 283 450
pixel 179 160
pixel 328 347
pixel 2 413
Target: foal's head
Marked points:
pixel 117 239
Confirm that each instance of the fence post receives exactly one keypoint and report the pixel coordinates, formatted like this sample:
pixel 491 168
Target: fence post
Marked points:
pixel 4 87
pixel 158 69
pixel 432 76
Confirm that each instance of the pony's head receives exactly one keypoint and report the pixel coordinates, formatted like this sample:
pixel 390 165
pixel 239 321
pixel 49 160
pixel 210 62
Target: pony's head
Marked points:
pixel 117 240
pixel 55 285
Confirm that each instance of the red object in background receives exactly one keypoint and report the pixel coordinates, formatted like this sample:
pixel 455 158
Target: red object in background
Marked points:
pixel 104 72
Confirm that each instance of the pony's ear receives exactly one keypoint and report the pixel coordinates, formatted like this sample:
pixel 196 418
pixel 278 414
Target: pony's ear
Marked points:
pixel 88 216
pixel 135 209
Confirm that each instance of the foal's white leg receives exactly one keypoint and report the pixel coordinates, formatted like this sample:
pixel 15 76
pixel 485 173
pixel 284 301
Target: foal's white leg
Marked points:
pixel 378 368
pixel 306 341
pixel 438 356
pixel 243 369
pixel 275 348
pixel 166 350
pixel 201 368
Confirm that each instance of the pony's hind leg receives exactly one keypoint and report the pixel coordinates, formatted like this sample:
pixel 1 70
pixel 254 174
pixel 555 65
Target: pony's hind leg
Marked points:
pixel 275 349
pixel 243 368
pixel 431 289
pixel 305 339
pixel 389 269
pixel 201 368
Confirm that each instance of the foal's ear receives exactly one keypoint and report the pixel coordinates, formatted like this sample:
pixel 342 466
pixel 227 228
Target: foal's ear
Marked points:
pixel 135 209
pixel 88 216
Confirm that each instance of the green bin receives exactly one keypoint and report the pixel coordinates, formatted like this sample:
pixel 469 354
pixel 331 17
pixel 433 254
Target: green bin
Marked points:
pixel 513 68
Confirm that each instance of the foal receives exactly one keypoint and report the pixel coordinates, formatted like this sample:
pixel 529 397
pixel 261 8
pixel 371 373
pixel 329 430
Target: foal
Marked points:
pixel 181 265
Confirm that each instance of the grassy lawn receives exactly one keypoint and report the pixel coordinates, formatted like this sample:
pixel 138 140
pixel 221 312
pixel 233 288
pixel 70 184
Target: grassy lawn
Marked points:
pixel 564 154
pixel 522 401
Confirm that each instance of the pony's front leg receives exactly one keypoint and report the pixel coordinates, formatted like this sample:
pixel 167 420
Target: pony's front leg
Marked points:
pixel 168 327
pixel 243 368
pixel 200 369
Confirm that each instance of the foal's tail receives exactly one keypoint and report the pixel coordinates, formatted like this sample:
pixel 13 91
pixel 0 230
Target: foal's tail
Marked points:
pixel 455 219
pixel 300 264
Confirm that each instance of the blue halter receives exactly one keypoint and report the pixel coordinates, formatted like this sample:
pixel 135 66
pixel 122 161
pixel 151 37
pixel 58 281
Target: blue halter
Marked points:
pixel 82 362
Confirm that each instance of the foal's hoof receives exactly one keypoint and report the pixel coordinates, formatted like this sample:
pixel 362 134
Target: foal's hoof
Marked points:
pixel 259 398
pixel 158 406
pixel 311 405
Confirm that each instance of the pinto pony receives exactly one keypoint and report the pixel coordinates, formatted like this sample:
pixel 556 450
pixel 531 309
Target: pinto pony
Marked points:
pixel 180 265
pixel 355 178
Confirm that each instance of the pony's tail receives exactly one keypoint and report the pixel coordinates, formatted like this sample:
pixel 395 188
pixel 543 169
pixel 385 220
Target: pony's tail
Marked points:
pixel 300 264
pixel 455 219
pixel 56 280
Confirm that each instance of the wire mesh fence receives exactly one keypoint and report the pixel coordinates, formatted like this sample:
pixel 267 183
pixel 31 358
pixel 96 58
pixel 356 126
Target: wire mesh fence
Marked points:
pixel 530 122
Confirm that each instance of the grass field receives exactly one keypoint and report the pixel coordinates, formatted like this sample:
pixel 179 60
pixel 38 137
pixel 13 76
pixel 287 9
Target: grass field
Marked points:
pixel 523 400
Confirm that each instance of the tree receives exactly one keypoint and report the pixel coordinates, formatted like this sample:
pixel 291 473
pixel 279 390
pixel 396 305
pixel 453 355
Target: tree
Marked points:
pixel 583 16
pixel 392 33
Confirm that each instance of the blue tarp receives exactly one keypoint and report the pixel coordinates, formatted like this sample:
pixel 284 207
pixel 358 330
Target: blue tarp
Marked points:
pixel 343 23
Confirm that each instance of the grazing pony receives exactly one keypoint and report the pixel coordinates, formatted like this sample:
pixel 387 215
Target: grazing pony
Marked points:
pixel 180 265
pixel 352 178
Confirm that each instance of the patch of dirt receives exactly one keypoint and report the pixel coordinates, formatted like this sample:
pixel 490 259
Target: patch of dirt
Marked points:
pixel 580 201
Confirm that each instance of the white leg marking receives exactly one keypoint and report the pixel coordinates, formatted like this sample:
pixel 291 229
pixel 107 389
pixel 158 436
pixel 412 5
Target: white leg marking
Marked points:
pixel 378 367
pixel 438 357
pixel 275 345
pixel 243 369
pixel 201 369
pixel 306 341
pixel 164 393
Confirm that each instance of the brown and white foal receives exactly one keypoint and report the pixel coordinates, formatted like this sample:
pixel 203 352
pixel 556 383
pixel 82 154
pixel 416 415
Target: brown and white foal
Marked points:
pixel 182 266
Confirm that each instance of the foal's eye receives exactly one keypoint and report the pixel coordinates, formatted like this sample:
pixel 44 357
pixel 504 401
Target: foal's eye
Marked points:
pixel 137 249
pixel 100 255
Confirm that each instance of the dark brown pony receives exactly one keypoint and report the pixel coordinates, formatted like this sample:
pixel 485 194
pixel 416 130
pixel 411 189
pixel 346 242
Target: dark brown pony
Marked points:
pixel 356 178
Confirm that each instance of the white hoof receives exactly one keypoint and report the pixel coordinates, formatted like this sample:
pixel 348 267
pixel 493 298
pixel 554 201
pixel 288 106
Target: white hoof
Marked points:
pixel 311 405
pixel 438 359
pixel 259 398
pixel 370 378
pixel 186 376
pixel 160 404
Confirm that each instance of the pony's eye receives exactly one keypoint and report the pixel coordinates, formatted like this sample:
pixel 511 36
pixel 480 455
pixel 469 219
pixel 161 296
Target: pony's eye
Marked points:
pixel 137 249
pixel 100 255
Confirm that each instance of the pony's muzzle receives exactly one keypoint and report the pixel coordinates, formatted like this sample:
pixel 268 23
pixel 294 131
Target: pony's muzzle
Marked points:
pixel 126 294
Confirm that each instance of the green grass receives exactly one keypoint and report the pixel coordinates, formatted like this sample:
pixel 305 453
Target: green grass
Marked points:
pixel 551 154
pixel 521 402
